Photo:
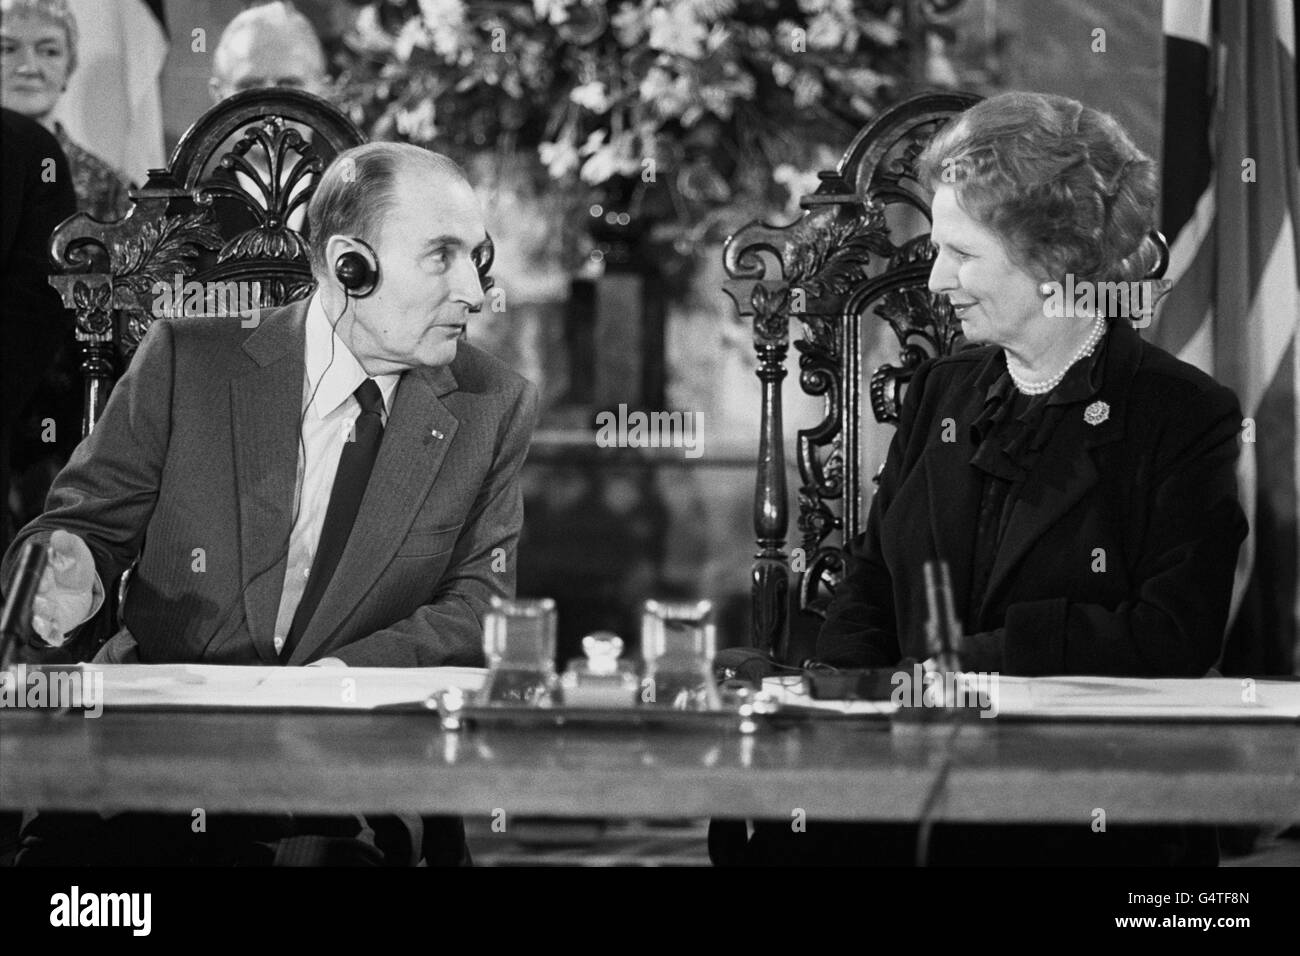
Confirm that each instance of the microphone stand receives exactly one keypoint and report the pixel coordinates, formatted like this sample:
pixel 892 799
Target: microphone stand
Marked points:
pixel 942 629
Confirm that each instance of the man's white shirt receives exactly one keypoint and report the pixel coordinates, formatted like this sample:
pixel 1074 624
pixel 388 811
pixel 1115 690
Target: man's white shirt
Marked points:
pixel 328 422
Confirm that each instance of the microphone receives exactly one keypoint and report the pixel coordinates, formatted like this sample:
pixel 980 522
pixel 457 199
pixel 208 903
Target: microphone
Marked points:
pixel 942 629
pixel 16 617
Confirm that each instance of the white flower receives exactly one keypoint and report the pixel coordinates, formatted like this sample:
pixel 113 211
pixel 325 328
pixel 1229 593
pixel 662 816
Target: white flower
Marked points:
pixel 630 24
pixel 592 96
pixel 418 123
pixel 677 31
pixel 939 70
pixel 600 166
pixel 594 142
pixel 656 83
pixel 782 72
pixel 717 101
pixel 799 182
pixel 445 20
pixel 862 106
pixel 670 96
pixel 607 160
pixel 826 32
pixel 560 159
pixel 786 35
pixel 886 34
pixel 368 35
pixel 552 11
pixel 413 34
pixel 807 90
pixel 443 12
pixel 717 37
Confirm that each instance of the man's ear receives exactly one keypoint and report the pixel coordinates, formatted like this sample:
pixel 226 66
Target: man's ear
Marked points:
pixel 335 246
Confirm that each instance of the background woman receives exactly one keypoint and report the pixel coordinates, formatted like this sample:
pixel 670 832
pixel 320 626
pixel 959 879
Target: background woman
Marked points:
pixel 38 53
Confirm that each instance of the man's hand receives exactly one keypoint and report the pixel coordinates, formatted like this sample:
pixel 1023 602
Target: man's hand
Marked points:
pixel 66 592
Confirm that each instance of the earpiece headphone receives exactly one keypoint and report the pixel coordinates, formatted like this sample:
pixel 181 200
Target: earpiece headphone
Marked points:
pixel 357 274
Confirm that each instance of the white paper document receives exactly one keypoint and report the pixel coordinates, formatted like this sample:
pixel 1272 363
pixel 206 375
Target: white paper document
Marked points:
pixel 1091 698
pixel 226 686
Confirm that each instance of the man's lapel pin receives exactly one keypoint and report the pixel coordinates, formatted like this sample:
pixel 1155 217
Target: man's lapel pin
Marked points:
pixel 1096 413
pixel 436 434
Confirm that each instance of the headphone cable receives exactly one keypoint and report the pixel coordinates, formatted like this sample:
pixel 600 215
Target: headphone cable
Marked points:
pixel 299 479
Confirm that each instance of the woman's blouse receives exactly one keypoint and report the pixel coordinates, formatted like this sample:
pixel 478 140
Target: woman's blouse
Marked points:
pixel 101 192
pixel 1009 435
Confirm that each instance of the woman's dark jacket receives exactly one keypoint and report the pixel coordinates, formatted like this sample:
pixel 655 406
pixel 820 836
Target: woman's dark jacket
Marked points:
pixel 1113 536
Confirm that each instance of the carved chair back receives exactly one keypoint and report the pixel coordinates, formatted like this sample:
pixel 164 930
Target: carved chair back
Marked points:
pixel 859 255
pixel 219 230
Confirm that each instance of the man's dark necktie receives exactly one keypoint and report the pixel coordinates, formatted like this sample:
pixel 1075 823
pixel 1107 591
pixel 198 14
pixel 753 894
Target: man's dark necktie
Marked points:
pixel 355 464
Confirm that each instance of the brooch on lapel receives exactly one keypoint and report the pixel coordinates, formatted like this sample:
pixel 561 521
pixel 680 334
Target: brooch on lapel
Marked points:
pixel 1096 413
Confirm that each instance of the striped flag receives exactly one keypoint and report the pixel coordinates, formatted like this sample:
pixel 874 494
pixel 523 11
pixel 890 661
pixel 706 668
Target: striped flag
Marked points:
pixel 1231 209
pixel 113 104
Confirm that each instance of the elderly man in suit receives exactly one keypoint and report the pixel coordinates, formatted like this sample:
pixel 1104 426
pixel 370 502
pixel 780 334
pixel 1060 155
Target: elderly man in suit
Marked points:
pixel 335 485
pixel 271 44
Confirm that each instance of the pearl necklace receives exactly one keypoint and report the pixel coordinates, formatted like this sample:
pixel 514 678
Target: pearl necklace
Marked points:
pixel 1046 385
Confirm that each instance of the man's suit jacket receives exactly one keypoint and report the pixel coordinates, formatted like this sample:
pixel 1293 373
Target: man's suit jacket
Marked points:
pixel 1120 551
pixel 195 462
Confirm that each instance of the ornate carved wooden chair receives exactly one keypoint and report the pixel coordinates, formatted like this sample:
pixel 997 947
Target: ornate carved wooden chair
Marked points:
pixel 859 256
pixel 219 213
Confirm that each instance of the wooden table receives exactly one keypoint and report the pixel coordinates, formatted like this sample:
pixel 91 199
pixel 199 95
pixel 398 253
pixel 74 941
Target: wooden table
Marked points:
pixel 313 762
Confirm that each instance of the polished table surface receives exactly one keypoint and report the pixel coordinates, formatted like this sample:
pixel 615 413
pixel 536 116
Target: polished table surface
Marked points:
pixel 322 762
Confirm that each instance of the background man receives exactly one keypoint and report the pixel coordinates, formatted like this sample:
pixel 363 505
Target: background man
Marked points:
pixel 268 45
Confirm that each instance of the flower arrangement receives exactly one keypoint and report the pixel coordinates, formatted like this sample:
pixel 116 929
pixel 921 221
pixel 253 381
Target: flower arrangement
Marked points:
pixel 688 117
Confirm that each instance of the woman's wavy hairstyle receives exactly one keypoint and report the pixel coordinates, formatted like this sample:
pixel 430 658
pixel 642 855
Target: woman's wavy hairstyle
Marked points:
pixel 1061 183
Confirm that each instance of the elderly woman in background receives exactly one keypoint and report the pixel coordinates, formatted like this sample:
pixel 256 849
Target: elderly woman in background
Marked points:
pixel 38 52
pixel 1078 481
